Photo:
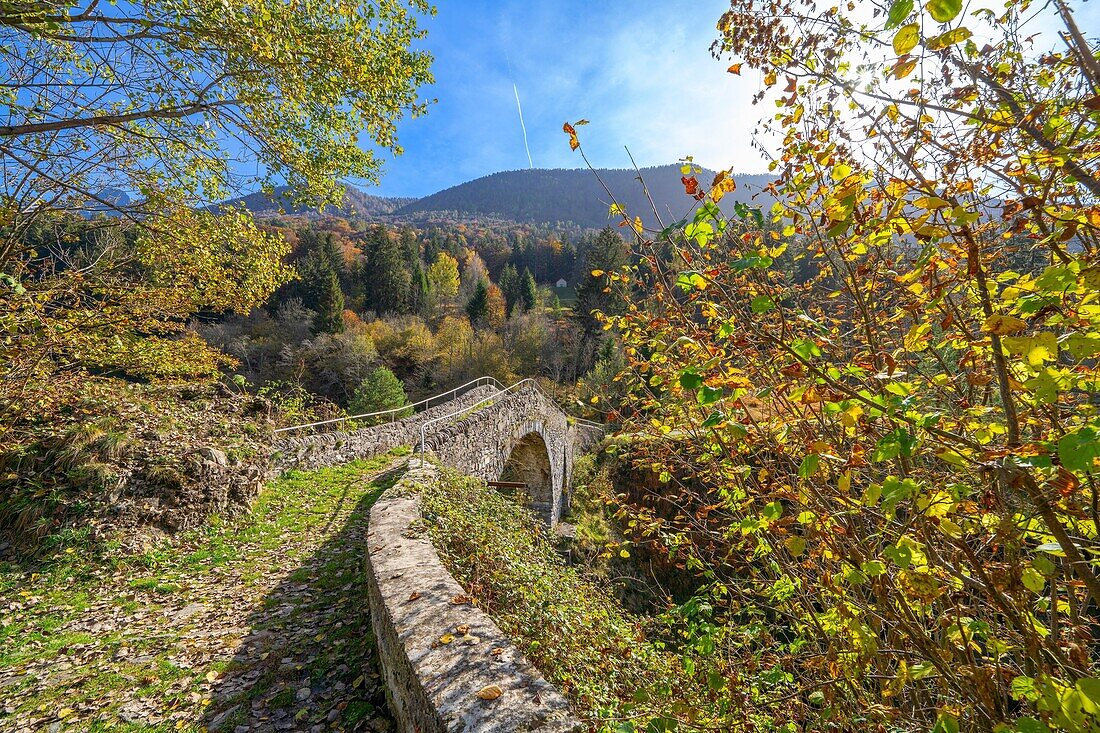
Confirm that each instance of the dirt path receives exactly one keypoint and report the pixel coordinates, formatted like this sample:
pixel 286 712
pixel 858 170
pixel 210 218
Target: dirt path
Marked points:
pixel 258 624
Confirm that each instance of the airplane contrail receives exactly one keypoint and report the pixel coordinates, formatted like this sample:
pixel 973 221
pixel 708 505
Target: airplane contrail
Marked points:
pixel 519 108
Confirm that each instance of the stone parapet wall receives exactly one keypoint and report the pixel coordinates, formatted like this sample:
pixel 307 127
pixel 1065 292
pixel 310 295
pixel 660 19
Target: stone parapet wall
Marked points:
pixel 308 452
pixel 435 686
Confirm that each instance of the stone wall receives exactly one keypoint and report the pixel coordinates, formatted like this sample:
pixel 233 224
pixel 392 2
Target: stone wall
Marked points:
pixel 480 443
pixel 330 449
pixel 435 686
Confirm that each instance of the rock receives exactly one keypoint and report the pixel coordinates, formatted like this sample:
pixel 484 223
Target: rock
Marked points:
pixel 215 455
pixel 219 719
pixel 303 693
pixel 188 611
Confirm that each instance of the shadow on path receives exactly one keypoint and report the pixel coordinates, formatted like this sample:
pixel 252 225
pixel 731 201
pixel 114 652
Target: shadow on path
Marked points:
pixel 307 659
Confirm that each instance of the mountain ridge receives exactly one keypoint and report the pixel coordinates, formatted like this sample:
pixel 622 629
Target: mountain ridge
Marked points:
pixel 535 196
pixel 576 195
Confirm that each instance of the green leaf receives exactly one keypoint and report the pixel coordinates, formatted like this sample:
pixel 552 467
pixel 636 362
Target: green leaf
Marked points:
pixel 946 723
pixel 762 304
pixel 1032 580
pixel 709 395
pixel 901 555
pixel 773 511
pixel 1044 386
pixel 795 545
pixel 691 381
pixel 1082 347
pixel 805 349
pixel 906 39
pixel 809 465
pixel 1044 565
pixel 1078 450
pixel 899 11
pixel 1031 725
pixel 943 11
pixel 1089 687
pixel 873 568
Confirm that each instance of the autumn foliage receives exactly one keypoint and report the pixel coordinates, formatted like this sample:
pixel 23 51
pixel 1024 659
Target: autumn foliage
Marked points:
pixel 873 405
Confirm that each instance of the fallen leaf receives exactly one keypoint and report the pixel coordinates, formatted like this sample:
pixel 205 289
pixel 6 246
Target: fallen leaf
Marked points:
pixel 413 596
pixel 490 692
pixel 446 638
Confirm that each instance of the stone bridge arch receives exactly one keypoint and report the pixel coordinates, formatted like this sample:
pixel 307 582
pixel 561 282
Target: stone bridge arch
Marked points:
pixel 497 434
pixel 524 435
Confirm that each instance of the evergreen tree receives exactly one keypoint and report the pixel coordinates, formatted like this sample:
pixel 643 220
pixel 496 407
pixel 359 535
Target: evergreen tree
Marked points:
pixel 609 252
pixel 418 297
pixel 388 280
pixel 509 285
pixel 410 246
pixel 329 306
pixel 477 308
pixel 528 291
pixel 381 390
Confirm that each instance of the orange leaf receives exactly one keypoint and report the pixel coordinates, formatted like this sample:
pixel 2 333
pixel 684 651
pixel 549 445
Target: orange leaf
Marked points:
pixel 571 131
pixel 735 69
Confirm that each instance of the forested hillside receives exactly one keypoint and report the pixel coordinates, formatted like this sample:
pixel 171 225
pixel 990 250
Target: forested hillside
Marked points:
pixel 577 196
pixel 354 203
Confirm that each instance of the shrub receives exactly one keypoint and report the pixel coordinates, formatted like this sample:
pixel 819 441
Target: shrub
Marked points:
pixel 380 391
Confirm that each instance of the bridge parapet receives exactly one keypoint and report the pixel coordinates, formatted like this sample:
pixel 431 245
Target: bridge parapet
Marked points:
pixel 497 439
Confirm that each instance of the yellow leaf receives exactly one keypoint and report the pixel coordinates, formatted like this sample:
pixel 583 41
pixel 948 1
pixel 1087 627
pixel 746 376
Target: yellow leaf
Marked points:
pixel 1035 349
pixel 446 638
pixel 906 39
pixel 1004 325
pixel 211 676
pixel 490 692
pixel 64 713
pixel 917 338
pixel 930 202
pixel 950 38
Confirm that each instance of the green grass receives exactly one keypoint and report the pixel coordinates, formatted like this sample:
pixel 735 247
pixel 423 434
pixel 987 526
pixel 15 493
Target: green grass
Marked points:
pixel 39 606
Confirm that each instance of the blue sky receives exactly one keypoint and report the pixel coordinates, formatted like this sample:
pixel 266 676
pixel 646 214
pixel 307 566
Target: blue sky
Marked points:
pixel 641 72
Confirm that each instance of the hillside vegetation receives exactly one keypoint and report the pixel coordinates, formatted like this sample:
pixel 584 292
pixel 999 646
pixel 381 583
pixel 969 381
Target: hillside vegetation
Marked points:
pixel 577 196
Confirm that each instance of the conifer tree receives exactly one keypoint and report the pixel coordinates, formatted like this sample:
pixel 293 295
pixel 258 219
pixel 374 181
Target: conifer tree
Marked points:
pixel 509 285
pixel 528 291
pixel 477 308
pixel 608 253
pixel 329 305
pixel 388 279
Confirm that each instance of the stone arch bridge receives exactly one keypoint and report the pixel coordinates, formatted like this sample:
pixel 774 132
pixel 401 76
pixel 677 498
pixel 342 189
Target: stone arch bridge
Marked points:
pixel 515 435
